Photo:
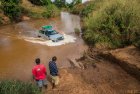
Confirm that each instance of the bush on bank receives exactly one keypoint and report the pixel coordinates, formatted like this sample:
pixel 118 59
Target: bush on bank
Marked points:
pixel 51 11
pixel 18 87
pixel 12 9
pixel 137 40
pixel 85 9
pixel 114 23
pixel 41 2
pixel 0 20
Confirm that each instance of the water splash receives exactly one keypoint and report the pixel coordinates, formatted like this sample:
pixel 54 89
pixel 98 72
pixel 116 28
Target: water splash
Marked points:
pixel 67 39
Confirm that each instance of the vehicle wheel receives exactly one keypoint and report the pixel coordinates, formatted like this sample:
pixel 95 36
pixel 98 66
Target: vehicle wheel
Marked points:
pixel 53 41
pixel 38 36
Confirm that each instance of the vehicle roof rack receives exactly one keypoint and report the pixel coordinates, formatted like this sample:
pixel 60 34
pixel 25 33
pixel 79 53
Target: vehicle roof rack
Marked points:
pixel 47 27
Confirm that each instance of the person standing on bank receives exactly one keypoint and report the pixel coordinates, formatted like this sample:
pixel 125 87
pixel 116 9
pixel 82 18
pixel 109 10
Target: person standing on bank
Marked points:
pixel 39 74
pixel 54 72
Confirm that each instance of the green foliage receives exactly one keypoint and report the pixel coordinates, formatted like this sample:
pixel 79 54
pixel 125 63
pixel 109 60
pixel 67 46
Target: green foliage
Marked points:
pixel 12 1
pixel 84 9
pixel 18 87
pixel 77 9
pixel 73 3
pixel 115 23
pixel 64 4
pixel 60 3
pixel 12 9
pixel 34 15
pixel 88 9
pixel 40 2
pixel 77 31
pixel 0 20
pixel 137 40
pixel 51 11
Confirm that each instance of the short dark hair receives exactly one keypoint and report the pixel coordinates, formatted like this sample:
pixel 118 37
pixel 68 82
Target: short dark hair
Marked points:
pixel 54 58
pixel 37 60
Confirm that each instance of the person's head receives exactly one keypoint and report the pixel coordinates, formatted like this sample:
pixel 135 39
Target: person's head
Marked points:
pixel 54 58
pixel 37 61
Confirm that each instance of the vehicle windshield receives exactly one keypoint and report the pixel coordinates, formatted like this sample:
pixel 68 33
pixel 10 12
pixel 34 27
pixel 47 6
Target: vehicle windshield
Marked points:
pixel 52 32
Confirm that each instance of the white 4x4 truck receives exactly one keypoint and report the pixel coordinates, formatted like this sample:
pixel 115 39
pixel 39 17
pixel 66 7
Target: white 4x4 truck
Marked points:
pixel 49 33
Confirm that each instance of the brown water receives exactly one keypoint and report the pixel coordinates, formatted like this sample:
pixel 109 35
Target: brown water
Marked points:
pixel 17 55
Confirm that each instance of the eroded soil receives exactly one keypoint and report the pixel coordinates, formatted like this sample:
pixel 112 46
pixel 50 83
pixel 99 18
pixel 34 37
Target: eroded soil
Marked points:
pixel 98 77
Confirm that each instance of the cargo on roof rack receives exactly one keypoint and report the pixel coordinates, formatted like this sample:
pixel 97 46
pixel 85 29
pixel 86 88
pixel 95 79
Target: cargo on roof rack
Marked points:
pixel 47 27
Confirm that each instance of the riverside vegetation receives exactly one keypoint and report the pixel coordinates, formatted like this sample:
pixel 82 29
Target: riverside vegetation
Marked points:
pixel 18 87
pixel 109 23
pixel 15 9
pixel 113 24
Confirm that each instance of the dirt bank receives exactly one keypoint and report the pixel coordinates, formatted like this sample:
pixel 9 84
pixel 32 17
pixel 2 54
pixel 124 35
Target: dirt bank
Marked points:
pixel 128 58
pixel 98 77
pixel 101 76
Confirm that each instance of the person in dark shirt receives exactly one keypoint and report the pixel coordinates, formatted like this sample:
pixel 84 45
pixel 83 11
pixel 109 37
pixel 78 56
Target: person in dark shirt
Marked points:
pixel 54 72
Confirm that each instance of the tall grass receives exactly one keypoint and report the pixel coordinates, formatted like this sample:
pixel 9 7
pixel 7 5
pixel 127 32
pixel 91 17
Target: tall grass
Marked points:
pixel 17 87
pixel 114 22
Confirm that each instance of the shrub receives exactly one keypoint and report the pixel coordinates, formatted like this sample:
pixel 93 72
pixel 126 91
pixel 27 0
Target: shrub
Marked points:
pixel 88 9
pixel 77 9
pixel 1 20
pixel 12 9
pixel 51 11
pixel 40 2
pixel 34 15
pixel 12 1
pixel 114 23
pixel 77 31
pixel 60 3
pixel 84 9
pixel 18 87
pixel 137 40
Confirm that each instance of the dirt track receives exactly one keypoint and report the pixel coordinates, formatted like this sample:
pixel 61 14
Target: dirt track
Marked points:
pixel 98 77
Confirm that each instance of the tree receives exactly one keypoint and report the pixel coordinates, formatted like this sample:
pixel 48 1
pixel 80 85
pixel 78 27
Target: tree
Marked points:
pixel 60 3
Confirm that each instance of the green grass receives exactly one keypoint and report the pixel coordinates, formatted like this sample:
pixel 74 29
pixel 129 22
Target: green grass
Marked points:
pixel 18 87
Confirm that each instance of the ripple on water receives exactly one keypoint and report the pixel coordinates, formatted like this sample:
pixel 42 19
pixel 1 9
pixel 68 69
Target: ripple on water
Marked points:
pixel 67 39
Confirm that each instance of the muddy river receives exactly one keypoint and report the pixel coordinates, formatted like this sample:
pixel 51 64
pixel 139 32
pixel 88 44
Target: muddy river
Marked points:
pixel 19 45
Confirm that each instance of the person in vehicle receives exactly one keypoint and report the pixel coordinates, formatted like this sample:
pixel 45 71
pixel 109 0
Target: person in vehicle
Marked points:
pixel 54 72
pixel 39 74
